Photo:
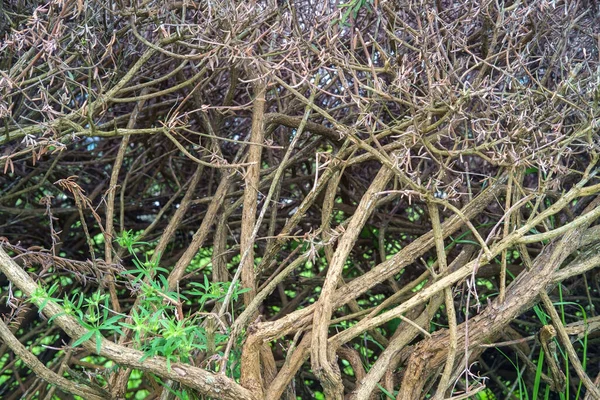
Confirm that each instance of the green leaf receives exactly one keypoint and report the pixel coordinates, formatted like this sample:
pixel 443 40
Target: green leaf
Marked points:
pixel 386 392
pixel 83 338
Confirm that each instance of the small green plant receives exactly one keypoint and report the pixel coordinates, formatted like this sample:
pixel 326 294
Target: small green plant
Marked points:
pixel 96 318
pixel 159 325
pixel 353 7
pixel 41 297
pixel 213 291
pixel 91 312
pixel 175 340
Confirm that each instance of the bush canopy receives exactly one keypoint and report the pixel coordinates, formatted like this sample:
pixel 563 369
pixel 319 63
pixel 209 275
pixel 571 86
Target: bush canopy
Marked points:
pixel 299 199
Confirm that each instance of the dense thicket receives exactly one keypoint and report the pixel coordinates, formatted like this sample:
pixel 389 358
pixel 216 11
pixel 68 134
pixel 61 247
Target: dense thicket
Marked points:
pixel 298 199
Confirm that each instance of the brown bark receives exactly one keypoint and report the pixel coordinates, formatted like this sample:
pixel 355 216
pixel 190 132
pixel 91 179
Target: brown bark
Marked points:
pixel 486 326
